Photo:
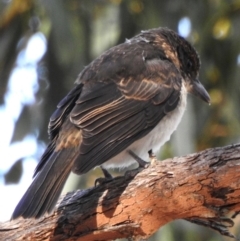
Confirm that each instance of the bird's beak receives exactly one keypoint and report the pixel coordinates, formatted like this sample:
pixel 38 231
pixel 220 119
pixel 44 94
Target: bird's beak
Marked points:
pixel 198 90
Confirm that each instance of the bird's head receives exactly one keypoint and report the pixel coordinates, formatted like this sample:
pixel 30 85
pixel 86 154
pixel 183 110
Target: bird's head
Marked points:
pixel 186 59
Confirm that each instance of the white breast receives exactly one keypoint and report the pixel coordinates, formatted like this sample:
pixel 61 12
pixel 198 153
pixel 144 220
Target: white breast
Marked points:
pixel 153 140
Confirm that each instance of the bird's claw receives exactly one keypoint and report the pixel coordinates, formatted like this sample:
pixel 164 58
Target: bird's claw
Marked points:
pixel 101 180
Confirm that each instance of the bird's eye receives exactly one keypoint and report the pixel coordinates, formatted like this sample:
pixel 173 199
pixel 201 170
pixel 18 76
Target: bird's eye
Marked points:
pixel 189 64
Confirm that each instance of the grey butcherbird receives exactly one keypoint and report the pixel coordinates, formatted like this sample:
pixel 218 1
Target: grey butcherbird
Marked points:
pixel 126 102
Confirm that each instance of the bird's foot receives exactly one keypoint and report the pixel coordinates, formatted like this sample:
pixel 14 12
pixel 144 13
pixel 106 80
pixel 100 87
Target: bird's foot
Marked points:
pixel 139 160
pixel 132 173
pixel 142 165
pixel 101 180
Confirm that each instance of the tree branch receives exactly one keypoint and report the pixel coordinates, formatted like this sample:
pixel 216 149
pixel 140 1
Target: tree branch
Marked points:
pixel 202 188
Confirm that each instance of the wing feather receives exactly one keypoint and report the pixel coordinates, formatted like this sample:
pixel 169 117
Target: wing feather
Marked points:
pixel 113 114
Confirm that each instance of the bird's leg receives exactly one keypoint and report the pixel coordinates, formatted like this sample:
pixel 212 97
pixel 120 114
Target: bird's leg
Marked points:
pixel 101 180
pixel 106 174
pixel 142 164
pixel 152 157
pixel 140 161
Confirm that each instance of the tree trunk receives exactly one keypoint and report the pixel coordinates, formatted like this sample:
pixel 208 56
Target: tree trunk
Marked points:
pixel 202 187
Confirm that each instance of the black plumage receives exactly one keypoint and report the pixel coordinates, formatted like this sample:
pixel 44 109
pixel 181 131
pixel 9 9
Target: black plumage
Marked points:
pixel 118 100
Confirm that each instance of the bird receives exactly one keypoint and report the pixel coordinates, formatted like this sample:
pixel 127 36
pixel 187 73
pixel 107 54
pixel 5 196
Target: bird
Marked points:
pixel 126 102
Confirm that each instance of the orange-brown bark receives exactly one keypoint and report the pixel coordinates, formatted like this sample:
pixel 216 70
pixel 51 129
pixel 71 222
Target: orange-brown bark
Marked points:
pixel 201 187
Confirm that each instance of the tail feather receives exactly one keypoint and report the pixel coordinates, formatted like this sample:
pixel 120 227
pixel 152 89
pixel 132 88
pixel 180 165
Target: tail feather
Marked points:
pixel 47 185
pixel 54 193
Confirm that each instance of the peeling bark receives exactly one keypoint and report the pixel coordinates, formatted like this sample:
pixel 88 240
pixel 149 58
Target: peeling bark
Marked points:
pixel 202 188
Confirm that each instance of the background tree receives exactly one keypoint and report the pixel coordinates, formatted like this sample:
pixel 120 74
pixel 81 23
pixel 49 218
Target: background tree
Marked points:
pixel 77 31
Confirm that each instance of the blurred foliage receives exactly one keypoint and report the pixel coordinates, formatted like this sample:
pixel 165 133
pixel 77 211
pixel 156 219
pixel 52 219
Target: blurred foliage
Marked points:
pixel 79 30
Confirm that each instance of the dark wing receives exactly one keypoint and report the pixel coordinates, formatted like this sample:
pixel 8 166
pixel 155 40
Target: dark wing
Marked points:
pixel 114 113
pixel 56 121
pixel 55 164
